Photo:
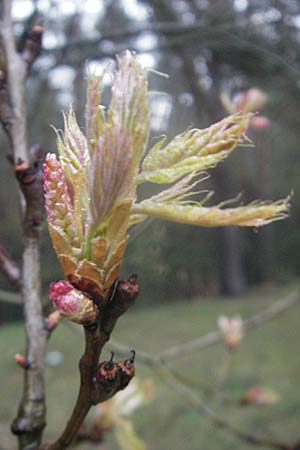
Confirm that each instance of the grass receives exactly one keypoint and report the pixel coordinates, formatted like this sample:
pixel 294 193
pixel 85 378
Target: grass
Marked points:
pixel 268 356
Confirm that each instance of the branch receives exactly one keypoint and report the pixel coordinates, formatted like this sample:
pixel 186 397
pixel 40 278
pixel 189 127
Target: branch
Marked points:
pixel 157 364
pixel 16 73
pixel 12 80
pixel 9 268
pixel 30 421
pixel 189 395
pixel 98 383
pixel 214 337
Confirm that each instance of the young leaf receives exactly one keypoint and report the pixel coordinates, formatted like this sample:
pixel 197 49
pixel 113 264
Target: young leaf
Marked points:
pixel 193 151
pixel 252 215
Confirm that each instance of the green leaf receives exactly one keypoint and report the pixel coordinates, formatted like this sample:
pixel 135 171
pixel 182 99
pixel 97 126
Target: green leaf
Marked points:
pixel 193 151
pixel 252 215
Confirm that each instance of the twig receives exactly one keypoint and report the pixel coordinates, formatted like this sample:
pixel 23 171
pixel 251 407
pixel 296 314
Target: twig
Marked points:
pixel 9 268
pixel 189 395
pixel 96 336
pixel 16 74
pixel 94 342
pixel 157 364
pixel 214 337
pixel 30 421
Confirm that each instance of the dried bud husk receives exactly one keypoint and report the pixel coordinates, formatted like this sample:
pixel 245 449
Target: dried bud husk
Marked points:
pixel 72 303
pixel 127 370
pixel 112 377
pixel 107 372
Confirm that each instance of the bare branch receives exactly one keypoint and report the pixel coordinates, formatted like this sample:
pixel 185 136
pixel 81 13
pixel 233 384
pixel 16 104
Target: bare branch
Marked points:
pixel 216 336
pixel 9 268
pixel 213 337
pixel 157 364
pixel 16 73
pixel 31 415
pixel 196 403
pixel 92 390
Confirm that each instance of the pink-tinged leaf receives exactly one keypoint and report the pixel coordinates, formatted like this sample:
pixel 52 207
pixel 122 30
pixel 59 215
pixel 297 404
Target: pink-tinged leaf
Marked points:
pixel 75 148
pixel 118 143
pixel 111 177
pixel 94 116
pixel 129 104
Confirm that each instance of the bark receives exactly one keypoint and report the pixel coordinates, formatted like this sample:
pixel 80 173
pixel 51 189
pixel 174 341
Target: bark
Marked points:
pixel 92 389
pixel 30 421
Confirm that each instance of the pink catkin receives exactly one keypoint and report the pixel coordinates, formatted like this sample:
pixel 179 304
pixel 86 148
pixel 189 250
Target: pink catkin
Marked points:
pixel 57 202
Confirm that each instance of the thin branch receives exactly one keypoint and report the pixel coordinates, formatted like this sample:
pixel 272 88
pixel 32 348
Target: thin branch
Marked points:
pixel 30 421
pixel 92 390
pixel 157 364
pixel 214 337
pixel 9 268
pixel 196 403
pixel 16 74
pixel 94 342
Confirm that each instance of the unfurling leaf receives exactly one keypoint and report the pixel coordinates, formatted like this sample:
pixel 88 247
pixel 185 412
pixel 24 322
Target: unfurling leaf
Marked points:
pixel 90 190
pixel 193 151
pixel 253 215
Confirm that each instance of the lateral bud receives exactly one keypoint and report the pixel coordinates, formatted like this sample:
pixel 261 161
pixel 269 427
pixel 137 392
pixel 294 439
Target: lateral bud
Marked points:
pixel 112 377
pixel 127 370
pixel 52 321
pixel 107 371
pixel 126 293
pixel 72 303
pixel 22 361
